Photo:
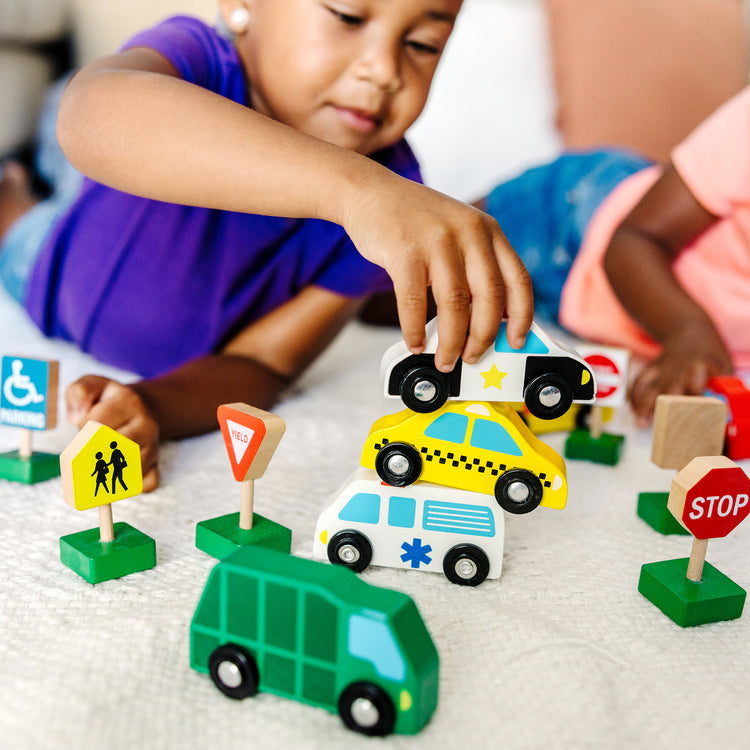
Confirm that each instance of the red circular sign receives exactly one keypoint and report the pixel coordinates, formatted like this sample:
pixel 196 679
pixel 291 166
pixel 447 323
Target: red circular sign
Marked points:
pixel 608 376
pixel 717 503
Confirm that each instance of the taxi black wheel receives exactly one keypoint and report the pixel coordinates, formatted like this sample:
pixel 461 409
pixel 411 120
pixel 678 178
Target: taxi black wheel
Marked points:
pixel 424 389
pixel 350 549
pixel 367 709
pixel 518 491
pixel 466 565
pixel 398 464
pixel 548 396
pixel 234 671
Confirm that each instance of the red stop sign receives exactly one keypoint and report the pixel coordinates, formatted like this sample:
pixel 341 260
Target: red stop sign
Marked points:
pixel 717 503
pixel 608 376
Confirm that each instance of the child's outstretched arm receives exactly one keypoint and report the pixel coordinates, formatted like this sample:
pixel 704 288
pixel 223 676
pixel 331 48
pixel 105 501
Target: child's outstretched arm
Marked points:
pixel 254 368
pixel 638 263
pixel 128 121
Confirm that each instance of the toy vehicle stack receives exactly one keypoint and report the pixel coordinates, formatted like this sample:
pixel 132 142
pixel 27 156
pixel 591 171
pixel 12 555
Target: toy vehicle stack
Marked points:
pixel 442 470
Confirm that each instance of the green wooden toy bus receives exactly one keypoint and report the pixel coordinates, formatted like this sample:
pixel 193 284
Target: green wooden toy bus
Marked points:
pixel 316 633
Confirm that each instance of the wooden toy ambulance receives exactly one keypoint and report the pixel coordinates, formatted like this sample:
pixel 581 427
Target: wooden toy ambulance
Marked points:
pixel 420 527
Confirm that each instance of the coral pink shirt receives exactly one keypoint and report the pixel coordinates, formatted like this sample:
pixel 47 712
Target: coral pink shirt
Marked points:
pixel 714 162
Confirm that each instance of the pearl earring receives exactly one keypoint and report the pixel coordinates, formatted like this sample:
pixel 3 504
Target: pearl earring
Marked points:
pixel 239 19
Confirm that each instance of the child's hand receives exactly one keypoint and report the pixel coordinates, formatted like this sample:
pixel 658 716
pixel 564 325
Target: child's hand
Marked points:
pixel 422 237
pixel 121 408
pixel 689 358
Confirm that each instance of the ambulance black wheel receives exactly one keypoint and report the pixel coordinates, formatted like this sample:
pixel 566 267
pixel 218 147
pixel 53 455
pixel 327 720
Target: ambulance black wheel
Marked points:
pixel 466 565
pixel 350 549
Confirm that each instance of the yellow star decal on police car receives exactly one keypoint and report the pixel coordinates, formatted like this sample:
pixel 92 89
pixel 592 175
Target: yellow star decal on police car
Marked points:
pixel 493 377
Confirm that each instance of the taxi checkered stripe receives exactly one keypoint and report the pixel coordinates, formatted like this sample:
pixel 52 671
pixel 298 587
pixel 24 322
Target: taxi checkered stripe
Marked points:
pixel 460 459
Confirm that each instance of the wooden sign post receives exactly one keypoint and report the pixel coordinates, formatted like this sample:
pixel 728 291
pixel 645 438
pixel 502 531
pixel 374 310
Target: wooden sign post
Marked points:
pixel 251 437
pixel 685 427
pixel 710 497
pixel 28 400
pixel 99 467
pixel 610 366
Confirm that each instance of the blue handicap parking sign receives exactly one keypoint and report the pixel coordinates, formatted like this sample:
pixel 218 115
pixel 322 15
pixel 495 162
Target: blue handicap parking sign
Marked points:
pixel 25 392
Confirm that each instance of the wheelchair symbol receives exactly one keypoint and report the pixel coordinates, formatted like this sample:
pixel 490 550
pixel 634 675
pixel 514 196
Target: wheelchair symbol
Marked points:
pixel 17 383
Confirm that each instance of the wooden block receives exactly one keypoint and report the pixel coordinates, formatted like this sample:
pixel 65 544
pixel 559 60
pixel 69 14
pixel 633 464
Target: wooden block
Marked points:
pixel 686 427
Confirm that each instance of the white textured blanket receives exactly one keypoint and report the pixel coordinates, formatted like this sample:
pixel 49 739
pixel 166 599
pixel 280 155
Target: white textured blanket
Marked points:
pixel 561 652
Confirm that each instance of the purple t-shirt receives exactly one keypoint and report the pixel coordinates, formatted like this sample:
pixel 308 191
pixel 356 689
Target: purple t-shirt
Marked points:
pixel 146 286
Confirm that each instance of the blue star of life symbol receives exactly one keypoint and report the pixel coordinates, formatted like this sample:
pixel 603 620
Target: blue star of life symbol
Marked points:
pixel 416 553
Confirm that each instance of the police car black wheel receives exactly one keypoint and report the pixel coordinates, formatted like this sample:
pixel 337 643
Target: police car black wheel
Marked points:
pixel 398 464
pixel 367 709
pixel 548 396
pixel 234 671
pixel 350 549
pixel 466 565
pixel 518 491
pixel 424 389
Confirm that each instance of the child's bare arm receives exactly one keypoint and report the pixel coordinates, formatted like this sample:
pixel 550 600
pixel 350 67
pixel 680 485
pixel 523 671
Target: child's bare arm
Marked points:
pixel 638 264
pixel 130 122
pixel 253 368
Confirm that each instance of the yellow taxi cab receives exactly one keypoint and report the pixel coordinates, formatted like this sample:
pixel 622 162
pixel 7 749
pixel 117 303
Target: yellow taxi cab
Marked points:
pixel 473 445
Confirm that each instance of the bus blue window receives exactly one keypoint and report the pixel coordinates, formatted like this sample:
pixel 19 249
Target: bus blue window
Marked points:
pixel 450 427
pixel 401 512
pixel 457 518
pixel 373 641
pixel 491 436
pixel 364 507
pixel 533 345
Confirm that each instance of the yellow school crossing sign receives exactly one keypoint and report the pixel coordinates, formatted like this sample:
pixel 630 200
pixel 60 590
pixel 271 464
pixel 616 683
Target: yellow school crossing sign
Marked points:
pixel 99 467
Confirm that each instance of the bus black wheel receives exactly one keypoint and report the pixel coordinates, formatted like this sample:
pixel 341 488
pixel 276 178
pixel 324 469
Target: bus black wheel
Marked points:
pixel 234 671
pixel 367 709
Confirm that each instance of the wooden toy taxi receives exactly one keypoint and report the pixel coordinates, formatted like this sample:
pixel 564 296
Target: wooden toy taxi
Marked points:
pixel 421 527
pixel 99 467
pixel 477 446
pixel 28 400
pixel 710 497
pixel 685 427
pixel 251 437
pixel 610 365
pixel 547 375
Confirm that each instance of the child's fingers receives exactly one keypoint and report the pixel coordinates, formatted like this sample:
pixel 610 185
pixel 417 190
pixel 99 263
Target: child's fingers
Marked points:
pixel 519 295
pixel 487 290
pixel 81 396
pixel 410 288
pixel 452 294
pixel 122 409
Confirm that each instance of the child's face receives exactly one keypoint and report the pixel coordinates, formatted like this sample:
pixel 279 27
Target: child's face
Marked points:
pixel 355 73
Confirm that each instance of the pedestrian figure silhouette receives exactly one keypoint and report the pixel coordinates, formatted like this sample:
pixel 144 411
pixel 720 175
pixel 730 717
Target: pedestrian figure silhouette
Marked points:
pixel 101 470
pixel 118 463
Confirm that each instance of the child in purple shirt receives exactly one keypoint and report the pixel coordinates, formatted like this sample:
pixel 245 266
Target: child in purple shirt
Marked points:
pixel 212 250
